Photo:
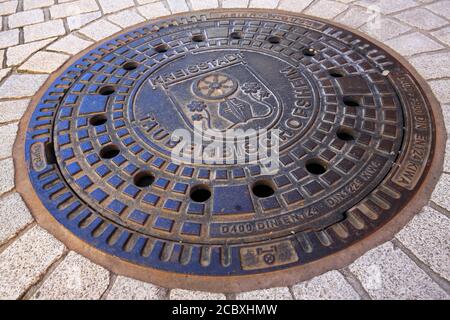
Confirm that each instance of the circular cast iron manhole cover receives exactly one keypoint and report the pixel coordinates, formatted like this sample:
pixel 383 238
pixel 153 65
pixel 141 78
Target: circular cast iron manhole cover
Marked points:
pixel 357 138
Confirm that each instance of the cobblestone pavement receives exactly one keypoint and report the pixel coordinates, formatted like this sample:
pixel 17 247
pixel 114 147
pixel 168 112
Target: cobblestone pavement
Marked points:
pixel 38 36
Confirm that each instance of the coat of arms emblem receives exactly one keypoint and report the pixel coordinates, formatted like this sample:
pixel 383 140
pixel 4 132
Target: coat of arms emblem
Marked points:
pixel 232 97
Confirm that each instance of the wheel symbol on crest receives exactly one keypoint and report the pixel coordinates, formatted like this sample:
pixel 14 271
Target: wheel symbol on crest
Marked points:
pixel 215 86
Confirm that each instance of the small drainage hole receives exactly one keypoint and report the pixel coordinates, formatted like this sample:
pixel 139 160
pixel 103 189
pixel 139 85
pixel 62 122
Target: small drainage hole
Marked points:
pixel 200 193
pixel 161 48
pixel 236 35
pixel 198 38
pixel 130 65
pixel 336 73
pixel 262 189
pixel 98 120
pixel 309 52
pixel 351 102
pixel 316 167
pixel 143 179
pixel 109 151
pixel 345 134
pixel 107 90
pixel 274 39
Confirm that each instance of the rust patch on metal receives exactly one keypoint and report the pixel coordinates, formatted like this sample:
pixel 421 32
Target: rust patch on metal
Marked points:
pixel 360 135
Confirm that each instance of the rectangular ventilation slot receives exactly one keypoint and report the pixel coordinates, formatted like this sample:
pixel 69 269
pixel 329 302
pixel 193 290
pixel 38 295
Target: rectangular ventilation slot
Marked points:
pixel 50 153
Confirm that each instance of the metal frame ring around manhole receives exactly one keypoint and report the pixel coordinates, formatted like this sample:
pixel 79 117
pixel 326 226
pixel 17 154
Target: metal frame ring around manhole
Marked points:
pixel 361 140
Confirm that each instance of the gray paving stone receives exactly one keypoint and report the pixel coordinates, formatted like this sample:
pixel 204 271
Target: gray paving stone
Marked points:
pixel 388 6
pixel 153 10
pixel 44 30
pixel 7 138
pixel 6 175
pixel 355 17
pixel 233 3
pixel 12 110
pixel 18 54
pixel 427 237
pixel 447 156
pixel 14 216
pixel 8 7
pixel 74 278
pixel 281 293
pixel 446 114
pixel 441 192
pixel 180 294
pixel 9 38
pixel 126 18
pixel 422 19
pixel 78 21
pixel 413 43
pixel 432 65
pixel 441 89
pixel 26 260
pixel 22 85
pixel 2 54
pixel 32 4
pixel 384 29
pixel 326 9
pixel 148 1
pixel 4 73
pixel 109 6
pixel 443 35
pixel 73 8
pixel 99 30
pixel 294 5
pixel 387 273
pixel 130 289
pixel 177 6
pixel 441 8
pixel 44 62
pixel 329 286
pixel 24 18
pixel 70 44
pixel 263 3
pixel 204 4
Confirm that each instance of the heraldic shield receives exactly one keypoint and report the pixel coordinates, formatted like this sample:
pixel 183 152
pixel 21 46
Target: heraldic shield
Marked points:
pixel 233 97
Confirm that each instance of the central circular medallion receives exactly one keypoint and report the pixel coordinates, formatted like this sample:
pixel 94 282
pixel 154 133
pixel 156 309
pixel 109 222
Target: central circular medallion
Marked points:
pixel 356 141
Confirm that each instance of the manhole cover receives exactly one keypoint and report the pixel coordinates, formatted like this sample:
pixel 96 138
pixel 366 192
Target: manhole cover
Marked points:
pixel 356 140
